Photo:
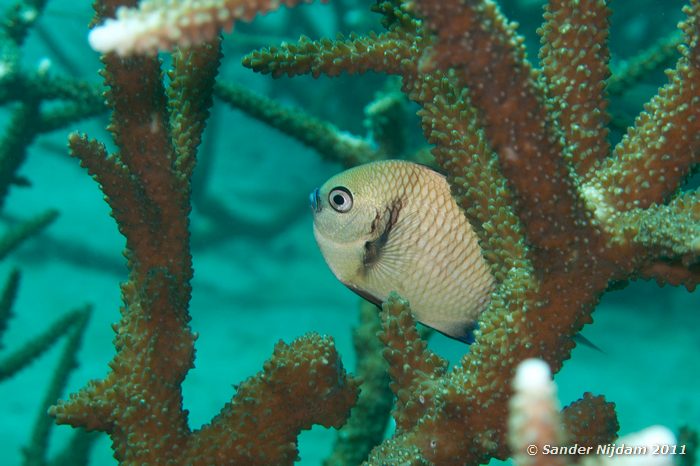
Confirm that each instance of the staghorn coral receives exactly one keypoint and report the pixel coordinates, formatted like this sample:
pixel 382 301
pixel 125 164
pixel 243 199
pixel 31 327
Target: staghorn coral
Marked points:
pixel 147 185
pixel 560 215
pixel 140 300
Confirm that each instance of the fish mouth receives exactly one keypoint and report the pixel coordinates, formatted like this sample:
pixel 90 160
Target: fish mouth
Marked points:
pixel 315 200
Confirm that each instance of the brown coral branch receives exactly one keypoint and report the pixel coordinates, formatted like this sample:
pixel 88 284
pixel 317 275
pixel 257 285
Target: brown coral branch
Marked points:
pixel 412 367
pixel 461 413
pixel 575 76
pixel 502 83
pixel 388 52
pixel 658 153
pixel 305 380
pixel 369 417
pixel 673 273
pixel 590 420
pixel 147 184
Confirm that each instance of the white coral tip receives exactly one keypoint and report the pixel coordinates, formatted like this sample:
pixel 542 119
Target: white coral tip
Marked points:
pixel 532 375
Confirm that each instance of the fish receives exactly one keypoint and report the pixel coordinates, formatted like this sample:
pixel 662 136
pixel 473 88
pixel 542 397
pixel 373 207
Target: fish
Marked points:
pixel 393 225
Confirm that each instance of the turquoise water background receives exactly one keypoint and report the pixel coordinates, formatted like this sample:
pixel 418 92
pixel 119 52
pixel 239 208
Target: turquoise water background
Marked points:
pixel 262 278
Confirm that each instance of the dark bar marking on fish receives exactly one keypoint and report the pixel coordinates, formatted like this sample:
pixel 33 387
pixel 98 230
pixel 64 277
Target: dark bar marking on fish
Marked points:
pixel 373 249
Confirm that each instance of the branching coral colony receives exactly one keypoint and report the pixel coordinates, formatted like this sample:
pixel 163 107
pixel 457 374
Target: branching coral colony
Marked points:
pixel 560 216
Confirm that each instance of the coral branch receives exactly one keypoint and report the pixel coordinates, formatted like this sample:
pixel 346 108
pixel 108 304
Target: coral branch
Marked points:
pixel 36 451
pixel 365 429
pixel 502 83
pixel 384 52
pixel 308 375
pixel 162 24
pixel 35 347
pixel 590 420
pixel 7 299
pixel 658 153
pixel 147 184
pixel 19 233
pixel 534 416
pixel 663 231
pixel 661 54
pixel 329 141
pixel 526 154
pixel 413 368
pixel 574 57
pixel 190 95
pixel 537 435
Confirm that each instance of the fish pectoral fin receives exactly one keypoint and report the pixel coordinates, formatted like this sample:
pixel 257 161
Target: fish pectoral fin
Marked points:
pixel 384 223
pixel 391 254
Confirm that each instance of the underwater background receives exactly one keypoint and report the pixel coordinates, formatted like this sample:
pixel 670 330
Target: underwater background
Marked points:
pixel 259 276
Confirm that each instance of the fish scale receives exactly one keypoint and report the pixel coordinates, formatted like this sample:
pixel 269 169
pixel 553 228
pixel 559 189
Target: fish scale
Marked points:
pixel 394 226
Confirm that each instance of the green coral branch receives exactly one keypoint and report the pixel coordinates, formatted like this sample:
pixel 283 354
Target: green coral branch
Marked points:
pixel 19 233
pixel 77 450
pixel 670 230
pixel 19 19
pixel 38 345
pixel 659 55
pixel 330 142
pixel 20 85
pixel 36 453
pixel 7 299
pixel 13 144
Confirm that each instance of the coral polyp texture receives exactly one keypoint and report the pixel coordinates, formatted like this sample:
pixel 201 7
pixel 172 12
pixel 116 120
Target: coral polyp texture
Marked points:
pixel 560 215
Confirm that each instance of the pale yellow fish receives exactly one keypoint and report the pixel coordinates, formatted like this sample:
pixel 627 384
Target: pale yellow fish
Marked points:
pixel 393 226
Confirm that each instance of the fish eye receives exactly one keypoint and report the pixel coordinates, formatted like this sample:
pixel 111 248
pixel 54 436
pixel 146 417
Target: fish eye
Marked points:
pixel 340 199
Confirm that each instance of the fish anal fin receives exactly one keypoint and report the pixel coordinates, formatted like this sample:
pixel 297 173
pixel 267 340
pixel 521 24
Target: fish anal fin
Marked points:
pixel 463 333
pixel 578 338
pixel 364 295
